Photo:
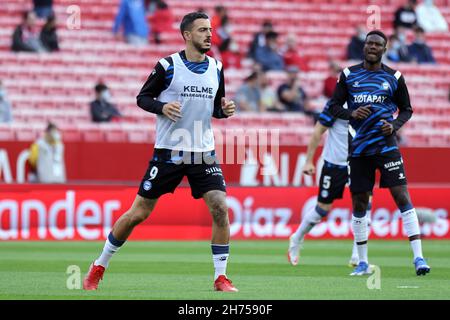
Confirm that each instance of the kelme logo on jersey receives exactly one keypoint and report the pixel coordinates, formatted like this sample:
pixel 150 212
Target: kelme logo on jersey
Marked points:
pixel 197 92
pixel 386 85
pixel 366 98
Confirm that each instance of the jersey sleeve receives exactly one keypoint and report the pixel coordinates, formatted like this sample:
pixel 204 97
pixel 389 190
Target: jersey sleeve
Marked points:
pixel 339 98
pixel 326 118
pixel 152 88
pixel 218 112
pixel 401 99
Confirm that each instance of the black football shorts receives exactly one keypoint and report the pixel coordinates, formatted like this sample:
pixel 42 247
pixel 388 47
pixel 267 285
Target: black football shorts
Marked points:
pixel 167 168
pixel 333 179
pixel 362 171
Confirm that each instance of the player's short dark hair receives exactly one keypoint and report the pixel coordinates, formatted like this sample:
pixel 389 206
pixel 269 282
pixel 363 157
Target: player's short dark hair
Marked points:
pixel 188 20
pixel 100 87
pixel 378 33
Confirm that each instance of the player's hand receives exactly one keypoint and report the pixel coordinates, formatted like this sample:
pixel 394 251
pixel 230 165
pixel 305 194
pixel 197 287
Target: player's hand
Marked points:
pixel 309 169
pixel 387 128
pixel 172 110
pixel 228 107
pixel 361 113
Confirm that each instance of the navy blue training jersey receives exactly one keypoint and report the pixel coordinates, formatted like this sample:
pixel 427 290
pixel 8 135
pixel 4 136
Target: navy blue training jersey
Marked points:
pixel 385 92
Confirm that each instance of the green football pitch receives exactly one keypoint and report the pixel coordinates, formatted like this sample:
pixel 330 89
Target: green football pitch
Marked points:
pixel 184 270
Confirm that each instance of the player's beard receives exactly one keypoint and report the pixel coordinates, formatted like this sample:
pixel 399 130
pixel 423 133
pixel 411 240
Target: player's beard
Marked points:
pixel 200 48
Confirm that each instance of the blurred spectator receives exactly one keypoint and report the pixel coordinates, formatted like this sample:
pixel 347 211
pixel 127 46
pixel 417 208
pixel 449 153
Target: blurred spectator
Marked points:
pixel 329 83
pixel 419 51
pixel 259 38
pixel 5 106
pixel 219 13
pixel 222 32
pixel 268 55
pixel 356 45
pixel 161 20
pixel 43 8
pixel 430 18
pixel 405 16
pixel 291 55
pixel 102 110
pixel 47 157
pixel 269 97
pixel 48 37
pixel 400 33
pixel 25 36
pixel 230 54
pixel 292 95
pixel 396 52
pixel 131 18
pixel 248 96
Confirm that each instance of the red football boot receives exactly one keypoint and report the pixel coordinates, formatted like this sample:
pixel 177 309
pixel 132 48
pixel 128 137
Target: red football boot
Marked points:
pixel 93 277
pixel 224 284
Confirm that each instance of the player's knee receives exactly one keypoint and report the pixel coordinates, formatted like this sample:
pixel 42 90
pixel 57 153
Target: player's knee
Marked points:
pixel 360 201
pixel 219 211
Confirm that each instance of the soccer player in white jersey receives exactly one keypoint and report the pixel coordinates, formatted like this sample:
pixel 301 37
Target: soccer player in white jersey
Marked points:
pixel 185 90
pixel 333 178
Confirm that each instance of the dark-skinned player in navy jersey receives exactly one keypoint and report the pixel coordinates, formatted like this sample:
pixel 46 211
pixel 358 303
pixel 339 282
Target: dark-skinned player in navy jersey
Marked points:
pixel 374 93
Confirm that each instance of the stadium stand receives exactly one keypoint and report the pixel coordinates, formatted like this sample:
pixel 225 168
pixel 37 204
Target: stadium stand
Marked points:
pixel 58 86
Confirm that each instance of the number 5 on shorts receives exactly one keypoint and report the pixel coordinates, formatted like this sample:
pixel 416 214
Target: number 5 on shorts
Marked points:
pixel 326 182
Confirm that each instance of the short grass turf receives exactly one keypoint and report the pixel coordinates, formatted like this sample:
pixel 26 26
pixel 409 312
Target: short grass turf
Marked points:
pixel 183 270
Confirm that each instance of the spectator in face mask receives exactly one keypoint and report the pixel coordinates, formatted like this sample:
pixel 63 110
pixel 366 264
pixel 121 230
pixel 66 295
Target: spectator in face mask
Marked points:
pixel 420 52
pixel 430 18
pixel 46 157
pixel 102 110
pixel 268 55
pixel 402 45
pixel 394 51
pixel 356 45
pixel 5 106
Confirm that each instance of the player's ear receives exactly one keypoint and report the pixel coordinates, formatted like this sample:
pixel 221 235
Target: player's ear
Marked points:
pixel 187 35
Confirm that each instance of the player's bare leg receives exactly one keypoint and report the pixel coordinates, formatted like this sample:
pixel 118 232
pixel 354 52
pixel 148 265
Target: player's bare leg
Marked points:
pixel 360 231
pixel 311 218
pixel 139 211
pixel 411 226
pixel 216 202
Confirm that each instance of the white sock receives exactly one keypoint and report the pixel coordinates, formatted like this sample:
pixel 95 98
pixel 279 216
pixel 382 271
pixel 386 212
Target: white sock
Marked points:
pixel 359 226
pixel 220 264
pixel 412 228
pixel 355 250
pixel 220 259
pixel 308 222
pixel 416 246
pixel 108 250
